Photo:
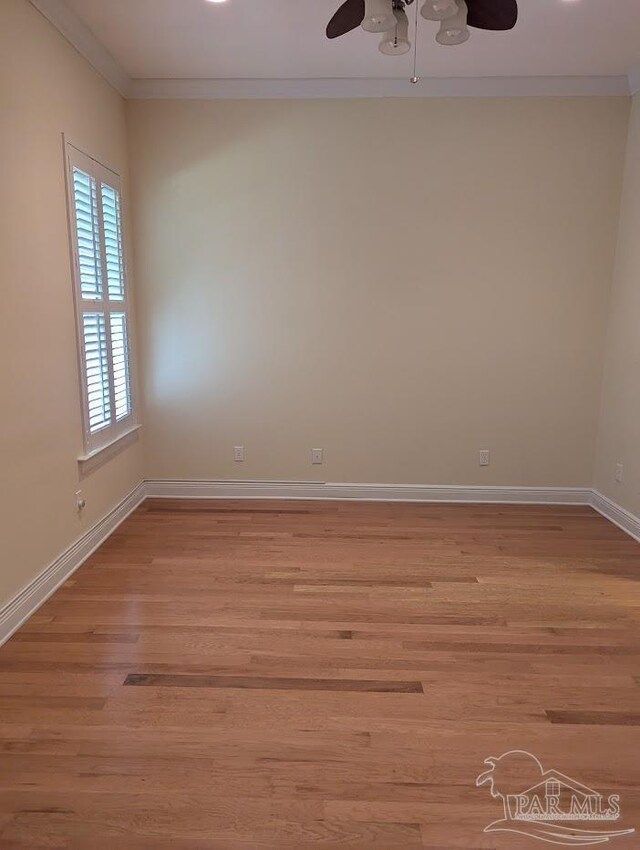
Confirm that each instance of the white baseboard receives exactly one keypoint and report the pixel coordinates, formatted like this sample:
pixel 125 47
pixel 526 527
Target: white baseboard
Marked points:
pixel 27 602
pixel 190 489
pixel 616 514
pixel 177 489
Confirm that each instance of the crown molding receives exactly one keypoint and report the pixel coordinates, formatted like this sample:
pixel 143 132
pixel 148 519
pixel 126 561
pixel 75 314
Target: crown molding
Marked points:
pixel 634 80
pixel 82 38
pixel 367 87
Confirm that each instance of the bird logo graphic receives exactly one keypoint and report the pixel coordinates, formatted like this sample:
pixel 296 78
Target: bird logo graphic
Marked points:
pixel 547 804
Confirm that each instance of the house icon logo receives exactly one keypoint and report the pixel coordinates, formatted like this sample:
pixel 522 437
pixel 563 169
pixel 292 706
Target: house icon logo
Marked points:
pixel 546 804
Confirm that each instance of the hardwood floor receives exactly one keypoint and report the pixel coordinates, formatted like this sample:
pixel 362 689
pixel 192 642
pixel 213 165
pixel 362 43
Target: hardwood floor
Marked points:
pixel 298 675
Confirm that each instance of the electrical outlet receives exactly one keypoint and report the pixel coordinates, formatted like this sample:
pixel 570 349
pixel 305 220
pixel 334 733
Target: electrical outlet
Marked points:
pixel 316 455
pixel 484 457
pixel 238 454
pixel 619 472
pixel 81 502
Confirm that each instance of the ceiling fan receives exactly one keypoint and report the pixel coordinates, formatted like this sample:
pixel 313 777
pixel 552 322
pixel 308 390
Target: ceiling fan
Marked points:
pixel 455 16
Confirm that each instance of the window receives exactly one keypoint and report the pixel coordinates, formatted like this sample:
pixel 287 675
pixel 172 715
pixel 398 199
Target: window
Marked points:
pixel 101 298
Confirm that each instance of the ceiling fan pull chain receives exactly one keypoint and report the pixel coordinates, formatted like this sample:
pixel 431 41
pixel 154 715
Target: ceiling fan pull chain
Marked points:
pixel 414 79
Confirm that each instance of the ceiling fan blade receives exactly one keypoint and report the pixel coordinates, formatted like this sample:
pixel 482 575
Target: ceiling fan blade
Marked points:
pixel 349 16
pixel 493 14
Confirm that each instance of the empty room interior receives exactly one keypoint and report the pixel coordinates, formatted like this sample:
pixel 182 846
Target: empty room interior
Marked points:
pixel 320 445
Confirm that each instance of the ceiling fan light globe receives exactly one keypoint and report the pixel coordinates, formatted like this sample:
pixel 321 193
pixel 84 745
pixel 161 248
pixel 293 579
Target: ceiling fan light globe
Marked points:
pixel 378 16
pixel 452 36
pixel 454 30
pixel 396 41
pixel 439 10
pixel 394 48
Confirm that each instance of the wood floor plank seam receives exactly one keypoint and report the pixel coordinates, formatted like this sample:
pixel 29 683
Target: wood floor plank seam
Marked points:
pixel 594 718
pixel 264 683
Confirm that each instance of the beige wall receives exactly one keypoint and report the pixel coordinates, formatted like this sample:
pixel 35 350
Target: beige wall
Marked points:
pixel 619 434
pixel 46 88
pixel 400 282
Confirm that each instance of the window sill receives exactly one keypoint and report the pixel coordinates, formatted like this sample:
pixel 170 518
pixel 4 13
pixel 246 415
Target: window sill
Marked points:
pixel 95 458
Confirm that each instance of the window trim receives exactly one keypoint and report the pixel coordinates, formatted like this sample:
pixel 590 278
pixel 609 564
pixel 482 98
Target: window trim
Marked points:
pixel 94 444
pixel 95 458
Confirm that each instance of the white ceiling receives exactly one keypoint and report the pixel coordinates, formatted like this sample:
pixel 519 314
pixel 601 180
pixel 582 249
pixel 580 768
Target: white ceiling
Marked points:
pixel 285 39
pixel 257 48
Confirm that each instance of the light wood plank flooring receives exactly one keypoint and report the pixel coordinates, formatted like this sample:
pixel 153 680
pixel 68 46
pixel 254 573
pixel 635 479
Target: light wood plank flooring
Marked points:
pixel 298 675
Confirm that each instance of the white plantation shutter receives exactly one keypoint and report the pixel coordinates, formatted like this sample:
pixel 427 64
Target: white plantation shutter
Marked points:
pixel 120 355
pixel 101 299
pixel 87 235
pixel 96 361
pixel 113 242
